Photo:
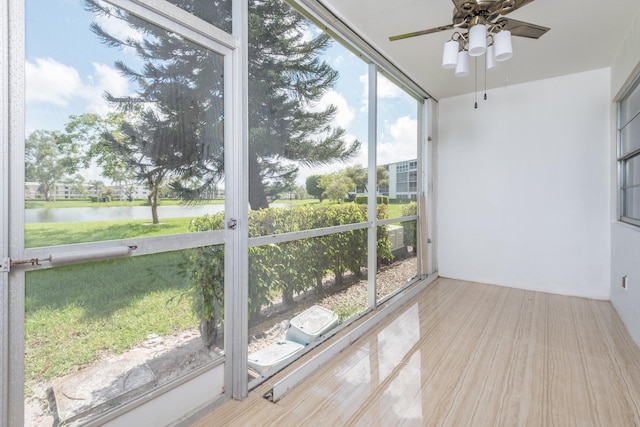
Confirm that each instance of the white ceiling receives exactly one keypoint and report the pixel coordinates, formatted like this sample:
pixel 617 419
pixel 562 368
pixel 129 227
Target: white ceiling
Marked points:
pixel 584 35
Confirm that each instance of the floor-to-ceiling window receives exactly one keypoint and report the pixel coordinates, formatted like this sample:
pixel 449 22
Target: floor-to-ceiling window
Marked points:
pixel 307 163
pixel 128 169
pixel 397 167
pixel 125 125
pixel 629 156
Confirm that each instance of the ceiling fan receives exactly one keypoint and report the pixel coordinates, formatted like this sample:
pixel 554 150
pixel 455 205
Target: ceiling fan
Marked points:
pixel 484 30
pixel 468 13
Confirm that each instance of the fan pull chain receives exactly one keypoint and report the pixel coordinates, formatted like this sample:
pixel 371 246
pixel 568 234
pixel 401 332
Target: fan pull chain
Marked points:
pixel 476 86
pixel 485 78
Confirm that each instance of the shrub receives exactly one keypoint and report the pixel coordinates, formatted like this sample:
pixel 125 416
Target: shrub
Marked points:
pixel 284 269
pixel 381 200
pixel 410 237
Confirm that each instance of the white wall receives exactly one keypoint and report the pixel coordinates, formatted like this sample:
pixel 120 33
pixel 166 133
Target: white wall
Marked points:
pixel 625 240
pixel 524 186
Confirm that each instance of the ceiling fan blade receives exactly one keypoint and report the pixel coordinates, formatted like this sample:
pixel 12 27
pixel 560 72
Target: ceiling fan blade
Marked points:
pixel 522 29
pixel 423 32
pixel 512 5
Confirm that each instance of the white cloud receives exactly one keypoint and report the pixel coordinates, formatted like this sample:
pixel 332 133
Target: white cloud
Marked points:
pixel 345 114
pixel 117 27
pixel 51 82
pixel 386 89
pixel 307 35
pixel 105 79
pixel 337 61
pixel 400 143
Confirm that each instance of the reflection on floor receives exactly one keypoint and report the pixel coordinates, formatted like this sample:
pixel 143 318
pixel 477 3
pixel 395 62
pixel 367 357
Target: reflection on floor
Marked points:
pixel 468 354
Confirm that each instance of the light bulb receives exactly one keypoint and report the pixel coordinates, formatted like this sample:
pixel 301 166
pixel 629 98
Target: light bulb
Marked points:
pixel 462 68
pixel 502 42
pixel 450 54
pixel 477 40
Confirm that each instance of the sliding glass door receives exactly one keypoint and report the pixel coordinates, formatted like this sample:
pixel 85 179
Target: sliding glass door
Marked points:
pixel 119 227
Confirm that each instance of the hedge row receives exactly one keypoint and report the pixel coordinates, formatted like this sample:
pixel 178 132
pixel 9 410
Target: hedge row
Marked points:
pixel 410 237
pixel 380 200
pixel 285 269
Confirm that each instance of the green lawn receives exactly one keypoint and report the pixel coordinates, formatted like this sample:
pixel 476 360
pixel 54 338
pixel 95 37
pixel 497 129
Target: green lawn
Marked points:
pixel 62 233
pixel 77 314
pixel 83 203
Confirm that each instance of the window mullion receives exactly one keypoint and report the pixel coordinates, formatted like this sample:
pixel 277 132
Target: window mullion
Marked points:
pixel 372 235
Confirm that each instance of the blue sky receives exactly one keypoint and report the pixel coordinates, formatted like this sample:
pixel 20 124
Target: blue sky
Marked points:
pixel 68 70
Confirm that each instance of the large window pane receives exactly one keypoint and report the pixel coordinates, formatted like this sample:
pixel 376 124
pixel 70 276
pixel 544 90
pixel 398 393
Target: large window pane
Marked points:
pixel 100 334
pixel 288 279
pixel 397 154
pixel 630 137
pixel 631 208
pixel 307 167
pixel 630 106
pixel 215 12
pixel 632 172
pixel 124 125
pixel 397 149
pixel 306 121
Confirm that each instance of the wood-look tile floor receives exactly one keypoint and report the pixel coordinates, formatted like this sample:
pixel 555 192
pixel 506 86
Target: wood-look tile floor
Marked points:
pixel 468 354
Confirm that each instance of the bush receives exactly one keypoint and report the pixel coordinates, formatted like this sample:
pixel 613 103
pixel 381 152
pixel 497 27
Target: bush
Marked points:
pixel 410 237
pixel 284 269
pixel 381 200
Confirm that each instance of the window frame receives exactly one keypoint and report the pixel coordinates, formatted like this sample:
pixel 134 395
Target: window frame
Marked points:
pixel 12 245
pixel 624 158
pixel 167 15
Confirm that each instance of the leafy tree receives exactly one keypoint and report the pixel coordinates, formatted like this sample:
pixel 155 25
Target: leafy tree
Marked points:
pixel 76 183
pixel 173 127
pixel 299 193
pixel 179 101
pixel 313 188
pixel 382 177
pixel 336 185
pixel 358 175
pixel 96 187
pixel 96 133
pixel 50 156
pixel 287 77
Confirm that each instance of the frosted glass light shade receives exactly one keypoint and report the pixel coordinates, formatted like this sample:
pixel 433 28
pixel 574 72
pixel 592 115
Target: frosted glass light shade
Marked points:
pixel 462 68
pixel 502 42
pixel 450 54
pixel 491 57
pixel 477 40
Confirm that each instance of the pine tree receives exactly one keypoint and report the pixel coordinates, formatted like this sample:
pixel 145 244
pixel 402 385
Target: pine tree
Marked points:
pixel 286 77
pixel 176 120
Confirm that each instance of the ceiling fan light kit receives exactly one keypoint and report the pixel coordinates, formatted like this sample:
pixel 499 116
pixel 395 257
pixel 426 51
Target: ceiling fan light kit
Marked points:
pixel 478 40
pixel 450 54
pixel 486 32
pixel 491 57
pixel 503 46
pixel 462 66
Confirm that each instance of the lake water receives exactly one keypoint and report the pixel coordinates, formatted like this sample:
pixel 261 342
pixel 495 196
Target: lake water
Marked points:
pixel 115 213
pixel 121 212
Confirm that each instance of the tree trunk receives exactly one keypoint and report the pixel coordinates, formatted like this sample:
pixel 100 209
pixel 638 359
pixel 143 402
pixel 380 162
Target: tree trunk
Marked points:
pixel 153 201
pixel 257 197
pixel 209 332
pixel 319 287
pixel 287 297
